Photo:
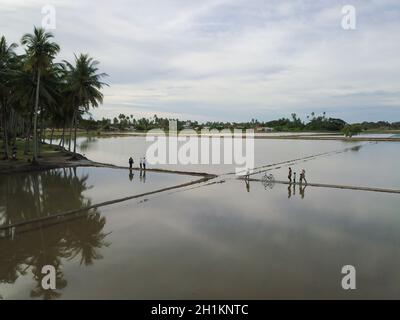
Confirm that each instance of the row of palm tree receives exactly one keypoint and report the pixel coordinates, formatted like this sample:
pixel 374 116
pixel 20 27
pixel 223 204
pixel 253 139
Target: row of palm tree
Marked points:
pixel 37 92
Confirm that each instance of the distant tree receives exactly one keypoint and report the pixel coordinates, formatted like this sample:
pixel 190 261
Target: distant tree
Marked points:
pixel 351 130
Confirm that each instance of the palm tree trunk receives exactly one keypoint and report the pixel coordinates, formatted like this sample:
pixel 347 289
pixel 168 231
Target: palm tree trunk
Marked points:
pixel 5 134
pixel 15 129
pixel 70 134
pixel 62 136
pixel 51 136
pixel 27 138
pixel 41 134
pixel 76 126
pixel 28 133
pixel 35 120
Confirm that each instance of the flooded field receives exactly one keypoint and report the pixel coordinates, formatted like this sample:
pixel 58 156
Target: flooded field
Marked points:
pixel 26 196
pixel 219 239
pixel 369 164
pixel 117 150
pixel 262 243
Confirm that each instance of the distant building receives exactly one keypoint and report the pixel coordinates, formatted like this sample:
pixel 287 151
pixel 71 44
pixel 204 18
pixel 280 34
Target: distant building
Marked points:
pixel 187 125
pixel 264 129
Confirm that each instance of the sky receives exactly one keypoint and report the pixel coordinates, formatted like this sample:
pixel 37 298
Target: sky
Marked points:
pixel 230 60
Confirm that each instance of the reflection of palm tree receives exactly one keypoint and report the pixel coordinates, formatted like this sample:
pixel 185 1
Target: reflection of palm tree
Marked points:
pixel 29 196
pixel 86 238
pixel 85 144
pixel 37 195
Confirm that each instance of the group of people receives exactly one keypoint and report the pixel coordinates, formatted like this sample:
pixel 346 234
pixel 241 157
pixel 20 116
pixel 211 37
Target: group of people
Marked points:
pixel 142 163
pixel 302 176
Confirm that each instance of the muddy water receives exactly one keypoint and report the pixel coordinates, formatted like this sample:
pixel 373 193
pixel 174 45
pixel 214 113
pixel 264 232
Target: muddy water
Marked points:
pixel 262 243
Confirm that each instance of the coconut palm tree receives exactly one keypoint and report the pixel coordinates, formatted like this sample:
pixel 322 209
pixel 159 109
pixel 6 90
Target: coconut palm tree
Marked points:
pixel 40 51
pixel 7 63
pixel 84 85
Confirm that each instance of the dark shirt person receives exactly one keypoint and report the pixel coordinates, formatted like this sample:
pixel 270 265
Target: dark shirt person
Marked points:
pixel 144 163
pixel 130 162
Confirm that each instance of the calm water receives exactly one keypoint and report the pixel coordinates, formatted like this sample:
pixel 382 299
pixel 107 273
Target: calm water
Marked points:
pixel 262 243
pixel 278 242
pixel 117 150
pixel 28 196
pixel 370 164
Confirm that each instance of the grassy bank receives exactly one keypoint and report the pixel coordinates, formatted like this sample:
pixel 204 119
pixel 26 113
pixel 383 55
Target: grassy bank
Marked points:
pixel 50 156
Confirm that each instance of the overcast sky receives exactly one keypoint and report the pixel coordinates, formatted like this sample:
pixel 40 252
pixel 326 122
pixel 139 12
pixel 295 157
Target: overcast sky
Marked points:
pixel 230 60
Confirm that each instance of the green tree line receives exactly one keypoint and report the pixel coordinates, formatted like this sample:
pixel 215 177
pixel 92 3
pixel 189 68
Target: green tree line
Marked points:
pixel 313 122
pixel 37 92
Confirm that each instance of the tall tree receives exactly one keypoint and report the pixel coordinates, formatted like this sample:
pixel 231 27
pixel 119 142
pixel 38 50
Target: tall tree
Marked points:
pixel 40 51
pixel 84 85
pixel 7 63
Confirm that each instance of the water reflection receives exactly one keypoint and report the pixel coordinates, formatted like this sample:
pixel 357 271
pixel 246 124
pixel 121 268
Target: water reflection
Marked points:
pixel 131 175
pixel 26 249
pixel 291 189
pixel 86 143
pixel 79 239
pixel 39 194
pixel 142 176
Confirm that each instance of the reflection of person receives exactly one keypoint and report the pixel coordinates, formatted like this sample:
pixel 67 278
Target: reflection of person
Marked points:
pixel 302 191
pixel 142 176
pixel 130 163
pixel 130 175
pixel 247 184
pixel 294 189
pixel 289 189
pixel 290 175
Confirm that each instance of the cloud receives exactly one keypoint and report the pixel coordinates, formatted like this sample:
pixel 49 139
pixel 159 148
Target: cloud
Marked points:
pixel 231 60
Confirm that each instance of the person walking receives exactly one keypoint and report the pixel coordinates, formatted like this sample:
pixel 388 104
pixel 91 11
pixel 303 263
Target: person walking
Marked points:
pixel 141 163
pixel 130 163
pixel 290 175
pixel 144 163
pixel 294 177
pixel 303 175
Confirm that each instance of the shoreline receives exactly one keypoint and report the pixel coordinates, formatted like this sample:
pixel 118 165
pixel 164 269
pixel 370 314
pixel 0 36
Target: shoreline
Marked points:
pixel 300 136
pixel 66 161
pixel 65 158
